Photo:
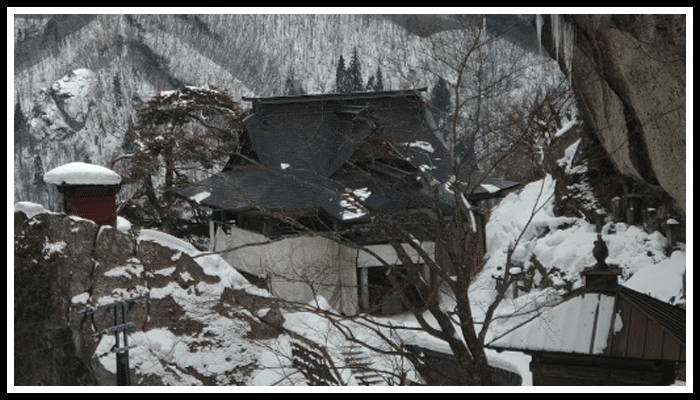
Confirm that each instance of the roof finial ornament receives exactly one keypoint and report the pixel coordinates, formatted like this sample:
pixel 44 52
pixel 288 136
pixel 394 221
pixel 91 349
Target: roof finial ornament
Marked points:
pixel 601 276
pixel 600 252
pixel 600 249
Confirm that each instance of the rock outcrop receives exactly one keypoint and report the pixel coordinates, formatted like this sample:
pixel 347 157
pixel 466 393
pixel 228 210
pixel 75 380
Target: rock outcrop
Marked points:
pixel 629 76
pixel 65 264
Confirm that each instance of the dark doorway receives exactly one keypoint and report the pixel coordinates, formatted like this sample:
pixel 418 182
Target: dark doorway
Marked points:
pixel 383 298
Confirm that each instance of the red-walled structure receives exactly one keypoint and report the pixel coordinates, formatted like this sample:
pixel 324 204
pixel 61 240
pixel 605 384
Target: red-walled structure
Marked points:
pixel 97 203
pixel 89 191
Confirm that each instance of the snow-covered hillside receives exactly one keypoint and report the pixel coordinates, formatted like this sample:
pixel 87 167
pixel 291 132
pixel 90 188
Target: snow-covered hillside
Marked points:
pixel 565 244
pixel 78 79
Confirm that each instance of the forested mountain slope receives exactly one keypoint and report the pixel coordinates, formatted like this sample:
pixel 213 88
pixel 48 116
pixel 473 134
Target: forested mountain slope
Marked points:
pixel 78 78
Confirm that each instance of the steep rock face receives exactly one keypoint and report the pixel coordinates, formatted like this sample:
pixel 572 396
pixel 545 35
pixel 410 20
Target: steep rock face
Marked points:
pixel 47 349
pixel 65 264
pixel 629 77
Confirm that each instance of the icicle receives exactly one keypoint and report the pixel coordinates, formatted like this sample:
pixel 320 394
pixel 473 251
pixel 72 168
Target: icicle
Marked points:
pixel 556 33
pixel 538 23
pixel 563 36
pixel 568 42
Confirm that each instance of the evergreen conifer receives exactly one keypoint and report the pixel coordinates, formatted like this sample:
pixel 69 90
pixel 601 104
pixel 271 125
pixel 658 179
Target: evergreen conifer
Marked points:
pixel 354 74
pixel 38 172
pixel 379 85
pixel 440 102
pixel 370 84
pixel 340 77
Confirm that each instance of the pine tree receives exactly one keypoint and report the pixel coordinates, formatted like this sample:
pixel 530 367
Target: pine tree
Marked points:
pixel 22 137
pixel 370 84
pixel 440 102
pixel 38 190
pixel 289 87
pixel 341 77
pixel 379 86
pixel 117 90
pixel 128 141
pixel 179 130
pixel 354 73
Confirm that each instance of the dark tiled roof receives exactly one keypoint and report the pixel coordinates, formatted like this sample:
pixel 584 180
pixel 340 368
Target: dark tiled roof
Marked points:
pixel 253 188
pixel 306 141
pixel 303 141
pixel 321 132
pixel 334 96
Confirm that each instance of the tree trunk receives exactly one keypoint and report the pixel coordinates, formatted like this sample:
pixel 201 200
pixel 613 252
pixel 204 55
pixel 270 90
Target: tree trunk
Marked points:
pixel 168 218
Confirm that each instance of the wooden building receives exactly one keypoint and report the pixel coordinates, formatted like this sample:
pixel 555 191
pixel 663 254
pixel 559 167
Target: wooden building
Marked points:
pixel 303 160
pixel 89 191
pixel 602 334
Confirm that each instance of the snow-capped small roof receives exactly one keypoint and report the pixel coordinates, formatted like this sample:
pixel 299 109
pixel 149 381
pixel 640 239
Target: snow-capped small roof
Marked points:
pixel 620 323
pixel 79 173
pixel 580 325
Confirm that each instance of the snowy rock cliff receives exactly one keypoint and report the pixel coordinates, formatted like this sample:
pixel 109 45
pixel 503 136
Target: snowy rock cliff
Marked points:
pixel 64 265
pixel 629 75
pixel 202 324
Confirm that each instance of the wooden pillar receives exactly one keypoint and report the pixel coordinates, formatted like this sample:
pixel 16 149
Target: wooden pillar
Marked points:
pixel 364 289
pixel 212 235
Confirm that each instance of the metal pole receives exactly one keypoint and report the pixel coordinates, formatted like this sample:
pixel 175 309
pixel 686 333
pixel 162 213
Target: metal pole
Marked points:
pixel 123 373
pixel 122 352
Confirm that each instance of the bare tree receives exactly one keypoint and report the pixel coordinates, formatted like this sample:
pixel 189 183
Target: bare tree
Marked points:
pixel 483 127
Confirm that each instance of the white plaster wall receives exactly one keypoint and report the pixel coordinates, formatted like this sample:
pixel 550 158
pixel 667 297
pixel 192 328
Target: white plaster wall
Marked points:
pixel 301 268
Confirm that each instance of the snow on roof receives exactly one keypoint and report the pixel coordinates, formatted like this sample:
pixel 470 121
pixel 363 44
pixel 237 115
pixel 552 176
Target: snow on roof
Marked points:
pixel 351 209
pixel 490 188
pixel 421 144
pixel 200 196
pixel 79 173
pixel 580 325
pixel 662 281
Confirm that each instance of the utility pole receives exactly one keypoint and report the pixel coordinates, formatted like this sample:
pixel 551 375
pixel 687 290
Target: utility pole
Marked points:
pixel 121 307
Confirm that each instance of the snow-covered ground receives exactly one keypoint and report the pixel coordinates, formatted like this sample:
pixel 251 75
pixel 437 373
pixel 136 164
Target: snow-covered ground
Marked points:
pixel 560 243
